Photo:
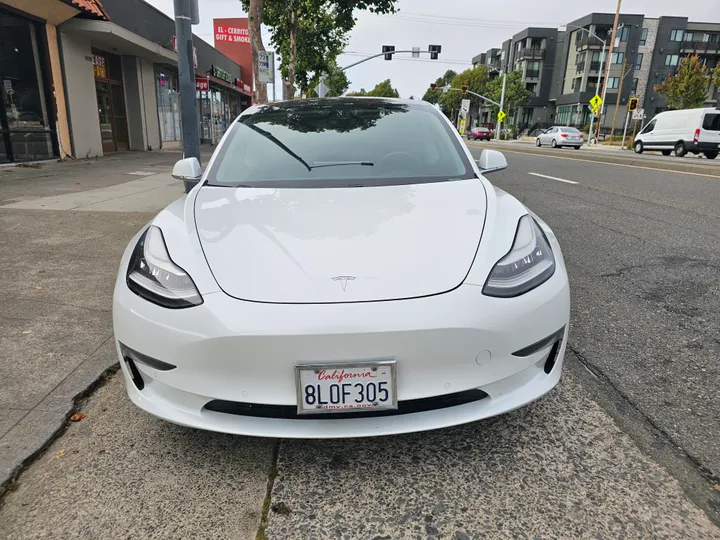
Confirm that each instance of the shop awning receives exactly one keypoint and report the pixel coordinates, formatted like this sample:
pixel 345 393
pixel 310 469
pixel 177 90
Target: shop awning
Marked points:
pixel 110 36
pixel 90 7
pixel 225 84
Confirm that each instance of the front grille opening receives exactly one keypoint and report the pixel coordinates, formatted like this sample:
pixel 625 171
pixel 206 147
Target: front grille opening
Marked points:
pixel 135 373
pixel 552 357
pixel 288 412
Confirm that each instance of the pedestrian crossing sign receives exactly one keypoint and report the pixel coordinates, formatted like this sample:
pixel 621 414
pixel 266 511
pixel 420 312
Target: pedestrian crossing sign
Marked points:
pixel 596 102
pixel 501 116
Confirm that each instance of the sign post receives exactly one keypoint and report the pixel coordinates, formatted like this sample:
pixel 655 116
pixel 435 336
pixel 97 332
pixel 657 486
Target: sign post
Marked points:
pixel 266 66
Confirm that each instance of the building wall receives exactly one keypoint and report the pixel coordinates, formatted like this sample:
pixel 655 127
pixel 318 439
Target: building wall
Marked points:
pixel 149 98
pixel 143 121
pixel 81 96
pixel 643 74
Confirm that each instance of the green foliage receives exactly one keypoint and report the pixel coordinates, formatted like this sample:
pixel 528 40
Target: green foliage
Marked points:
pixel 515 93
pixel 436 96
pixel 310 34
pixel 360 93
pixel 382 89
pixel 476 79
pixel 686 89
pixel 336 81
pixel 716 77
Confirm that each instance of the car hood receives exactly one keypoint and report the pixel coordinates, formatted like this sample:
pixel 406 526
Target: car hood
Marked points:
pixel 341 244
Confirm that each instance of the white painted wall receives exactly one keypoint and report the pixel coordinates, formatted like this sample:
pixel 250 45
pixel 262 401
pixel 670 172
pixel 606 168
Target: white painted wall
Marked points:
pixel 81 96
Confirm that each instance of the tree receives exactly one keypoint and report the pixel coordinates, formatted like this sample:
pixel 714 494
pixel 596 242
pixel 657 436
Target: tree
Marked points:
pixel 476 79
pixel 686 89
pixel 255 10
pixel 716 77
pixel 308 32
pixel 336 81
pixel 436 96
pixel 383 89
pixel 515 93
pixel 360 93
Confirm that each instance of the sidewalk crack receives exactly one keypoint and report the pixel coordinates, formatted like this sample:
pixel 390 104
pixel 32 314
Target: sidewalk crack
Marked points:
pixel 272 474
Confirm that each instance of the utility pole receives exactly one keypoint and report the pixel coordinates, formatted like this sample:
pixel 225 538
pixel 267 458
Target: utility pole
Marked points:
pixel 502 104
pixel 184 11
pixel 607 65
pixel 617 103
pixel 603 60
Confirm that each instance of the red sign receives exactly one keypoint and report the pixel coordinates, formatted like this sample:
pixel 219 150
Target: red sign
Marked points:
pixel 174 48
pixel 233 40
pixel 202 84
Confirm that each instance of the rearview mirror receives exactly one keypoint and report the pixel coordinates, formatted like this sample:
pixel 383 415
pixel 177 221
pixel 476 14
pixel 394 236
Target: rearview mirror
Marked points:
pixel 187 169
pixel 491 161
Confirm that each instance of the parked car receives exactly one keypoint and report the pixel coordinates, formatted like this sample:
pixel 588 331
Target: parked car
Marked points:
pixel 683 131
pixel 343 268
pixel 479 133
pixel 559 136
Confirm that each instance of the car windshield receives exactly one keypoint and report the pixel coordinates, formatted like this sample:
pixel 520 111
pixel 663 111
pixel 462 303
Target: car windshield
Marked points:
pixel 569 130
pixel 338 143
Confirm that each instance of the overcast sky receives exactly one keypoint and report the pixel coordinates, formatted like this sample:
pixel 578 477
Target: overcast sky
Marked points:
pixel 464 28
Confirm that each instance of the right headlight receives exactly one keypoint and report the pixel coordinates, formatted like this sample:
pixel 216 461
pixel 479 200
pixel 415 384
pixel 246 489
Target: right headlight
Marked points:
pixel 529 264
pixel 153 275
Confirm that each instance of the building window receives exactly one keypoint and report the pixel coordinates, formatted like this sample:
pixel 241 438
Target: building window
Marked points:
pixel 710 38
pixel 617 58
pixel 635 86
pixel 577 84
pixel 532 88
pixel 672 60
pixel 613 83
pixel 689 36
pixel 643 37
pixel 677 35
pixel 624 33
pixel 638 65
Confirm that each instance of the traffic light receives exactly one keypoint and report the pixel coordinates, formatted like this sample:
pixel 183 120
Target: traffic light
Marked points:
pixel 434 51
pixel 433 87
pixel 633 104
pixel 389 49
pixel 464 90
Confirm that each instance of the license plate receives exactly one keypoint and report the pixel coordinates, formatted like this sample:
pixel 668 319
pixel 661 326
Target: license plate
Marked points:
pixel 353 387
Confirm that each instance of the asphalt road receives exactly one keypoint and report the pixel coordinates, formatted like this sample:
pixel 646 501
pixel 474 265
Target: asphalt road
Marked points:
pixel 641 249
pixel 626 446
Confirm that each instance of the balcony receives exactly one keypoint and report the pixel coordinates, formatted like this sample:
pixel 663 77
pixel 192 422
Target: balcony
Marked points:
pixel 579 68
pixel 531 54
pixel 532 74
pixel 700 46
pixel 493 66
pixel 595 66
pixel 588 43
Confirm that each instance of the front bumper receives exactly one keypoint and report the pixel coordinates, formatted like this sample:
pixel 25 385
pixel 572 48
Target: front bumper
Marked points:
pixel 245 352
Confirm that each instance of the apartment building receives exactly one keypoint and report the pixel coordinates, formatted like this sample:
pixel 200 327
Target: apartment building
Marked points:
pixel 565 69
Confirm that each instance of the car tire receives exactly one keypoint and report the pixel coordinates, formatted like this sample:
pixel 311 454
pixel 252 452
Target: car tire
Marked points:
pixel 538 143
pixel 666 152
pixel 577 148
pixel 711 155
pixel 680 150
pixel 639 147
pixel 554 143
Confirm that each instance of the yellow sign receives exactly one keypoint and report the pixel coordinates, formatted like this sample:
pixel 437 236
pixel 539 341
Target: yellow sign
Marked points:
pixel 501 116
pixel 595 110
pixel 462 126
pixel 596 102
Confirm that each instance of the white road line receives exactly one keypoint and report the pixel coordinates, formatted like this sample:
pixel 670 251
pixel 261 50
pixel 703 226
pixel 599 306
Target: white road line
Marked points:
pixel 553 178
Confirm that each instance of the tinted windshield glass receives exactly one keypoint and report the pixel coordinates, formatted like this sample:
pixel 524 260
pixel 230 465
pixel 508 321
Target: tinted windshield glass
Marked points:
pixel 339 142
pixel 711 122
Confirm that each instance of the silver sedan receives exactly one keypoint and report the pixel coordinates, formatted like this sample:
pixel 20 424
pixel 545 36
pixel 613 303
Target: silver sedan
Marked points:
pixel 559 136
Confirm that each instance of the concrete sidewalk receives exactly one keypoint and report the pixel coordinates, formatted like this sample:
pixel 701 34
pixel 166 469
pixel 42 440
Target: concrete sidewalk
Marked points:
pixel 63 228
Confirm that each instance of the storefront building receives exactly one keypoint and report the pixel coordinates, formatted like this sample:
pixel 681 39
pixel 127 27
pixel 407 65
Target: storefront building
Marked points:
pixel 122 82
pixel 33 117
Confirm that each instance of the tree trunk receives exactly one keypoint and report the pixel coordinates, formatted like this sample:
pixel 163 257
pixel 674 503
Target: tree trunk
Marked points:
pixel 289 83
pixel 254 29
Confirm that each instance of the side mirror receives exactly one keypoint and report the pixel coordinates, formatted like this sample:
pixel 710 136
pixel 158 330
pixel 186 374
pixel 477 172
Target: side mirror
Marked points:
pixel 187 169
pixel 491 161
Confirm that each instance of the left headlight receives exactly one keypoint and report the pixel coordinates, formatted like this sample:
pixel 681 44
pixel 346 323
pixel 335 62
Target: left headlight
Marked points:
pixel 529 264
pixel 153 275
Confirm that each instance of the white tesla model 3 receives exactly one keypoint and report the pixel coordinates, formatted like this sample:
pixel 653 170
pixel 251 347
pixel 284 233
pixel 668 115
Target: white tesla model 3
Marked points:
pixel 341 269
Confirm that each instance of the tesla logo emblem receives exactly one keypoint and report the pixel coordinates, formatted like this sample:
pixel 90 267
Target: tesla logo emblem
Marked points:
pixel 344 280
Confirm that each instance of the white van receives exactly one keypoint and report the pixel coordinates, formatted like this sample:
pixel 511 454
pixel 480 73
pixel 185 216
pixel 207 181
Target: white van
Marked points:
pixel 683 131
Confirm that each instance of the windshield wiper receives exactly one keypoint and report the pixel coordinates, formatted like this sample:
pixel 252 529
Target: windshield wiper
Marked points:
pixel 361 163
pixel 274 139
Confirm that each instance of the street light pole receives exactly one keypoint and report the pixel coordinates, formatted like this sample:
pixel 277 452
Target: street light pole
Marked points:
pixel 597 85
pixel 186 70
pixel 502 104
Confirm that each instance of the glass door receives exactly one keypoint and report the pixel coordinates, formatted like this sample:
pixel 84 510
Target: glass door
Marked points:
pixel 105 113
pixel 120 129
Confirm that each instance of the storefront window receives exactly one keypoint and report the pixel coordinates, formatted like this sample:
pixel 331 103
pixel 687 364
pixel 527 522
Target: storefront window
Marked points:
pixel 26 132
pixel 168 105
pixel 110 101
